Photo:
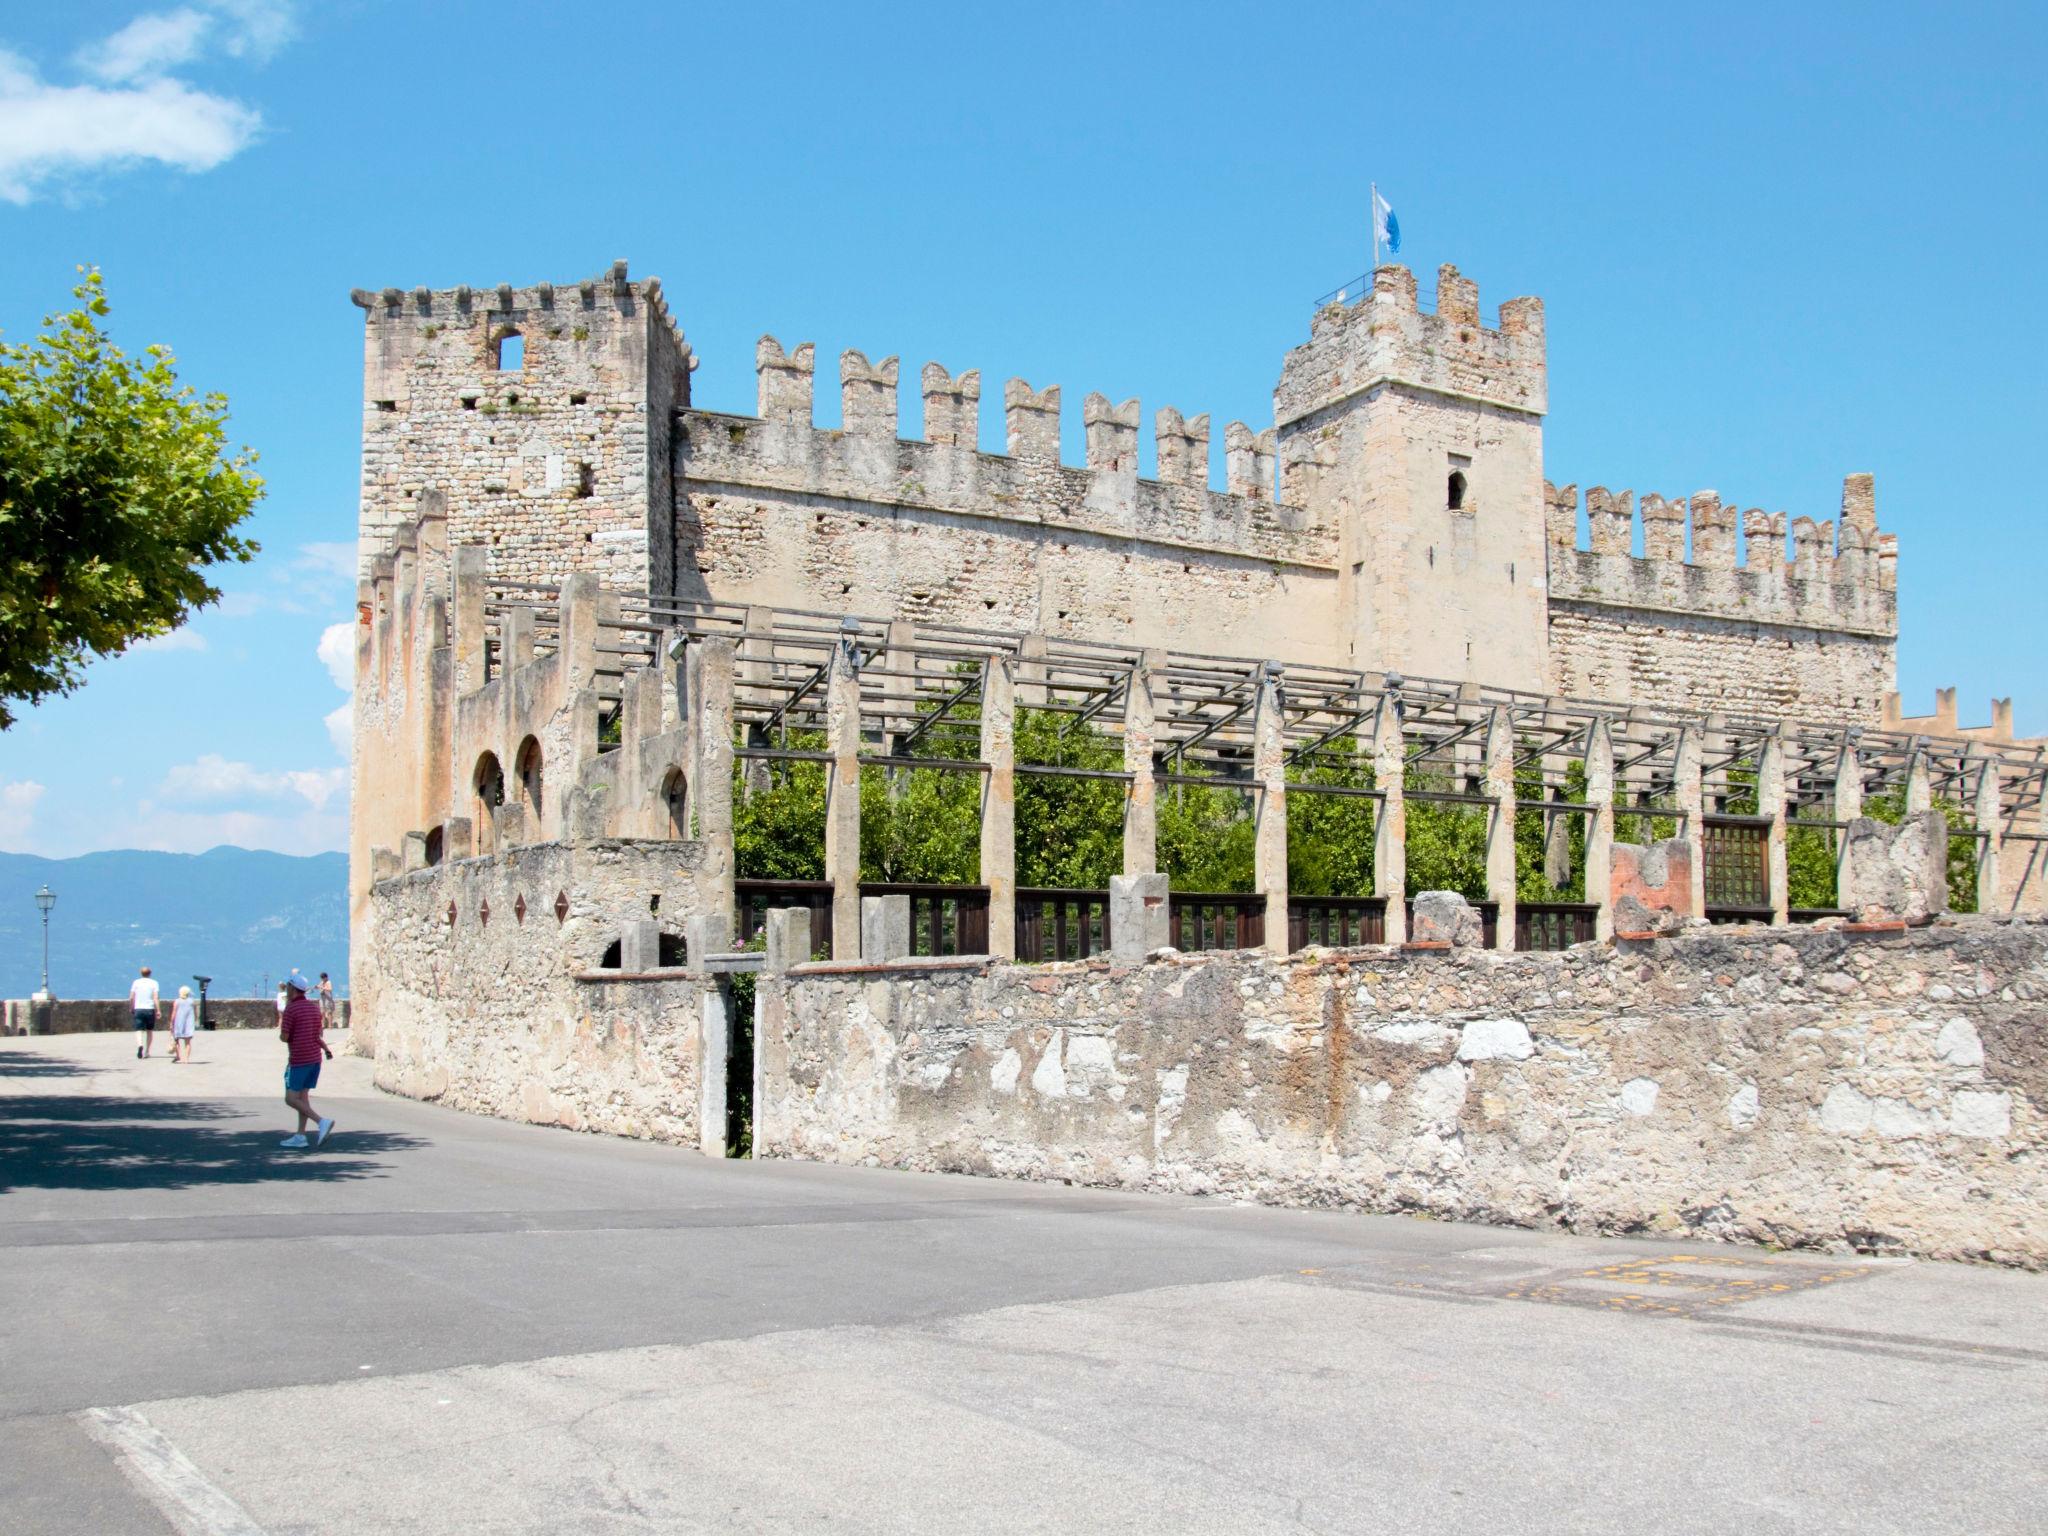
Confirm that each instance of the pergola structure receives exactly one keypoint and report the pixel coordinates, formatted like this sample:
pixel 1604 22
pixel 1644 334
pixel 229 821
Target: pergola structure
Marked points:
pixel 848 692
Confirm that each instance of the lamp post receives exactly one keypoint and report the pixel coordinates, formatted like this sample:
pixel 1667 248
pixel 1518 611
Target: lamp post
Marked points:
pixel 46 899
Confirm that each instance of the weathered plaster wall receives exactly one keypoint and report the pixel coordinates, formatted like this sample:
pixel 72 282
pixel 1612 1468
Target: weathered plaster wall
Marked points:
pixel 1799 1087
pixel 485 1013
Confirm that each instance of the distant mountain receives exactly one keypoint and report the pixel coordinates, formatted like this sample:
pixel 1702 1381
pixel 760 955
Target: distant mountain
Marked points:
pixel 235 914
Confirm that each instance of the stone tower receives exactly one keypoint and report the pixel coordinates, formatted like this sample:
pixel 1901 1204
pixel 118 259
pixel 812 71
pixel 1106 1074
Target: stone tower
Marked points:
pixel 1420 438
pixel 541 415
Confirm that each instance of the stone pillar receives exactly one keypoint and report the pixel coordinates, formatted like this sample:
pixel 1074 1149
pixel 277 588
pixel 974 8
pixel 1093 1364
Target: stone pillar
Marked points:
pixel 842 793
pixel 1689 791
pixel 1500 826
pixel 640 947
pixel 899 712
pixel 1141 795
pixel 1600 828
pixel 757 667
pixel 786 935
pixel 999 802
pixel 1269 769
pixel 515 639
pixel 471 565
pixel 711 793
pixel 1919 785
pixel 1390 827
pixel 1989 817
pixel 1557 827
pixel 714 1050
pixel 412 851
pixel 1770 801
pixel 1140 916
pixel 576 631
pixel 1848 802
pixel 884 928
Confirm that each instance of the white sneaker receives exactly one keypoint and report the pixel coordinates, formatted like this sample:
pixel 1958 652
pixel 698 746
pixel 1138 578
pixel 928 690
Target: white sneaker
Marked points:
pixel 293 1141
pixel 325 1126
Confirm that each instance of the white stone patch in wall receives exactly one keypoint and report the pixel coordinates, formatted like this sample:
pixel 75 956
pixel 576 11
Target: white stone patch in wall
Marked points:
pixel 1742 1107
pixel 1958 1045
pixel 1416 1032
pixel 1439 1093
pixel 1002 1077
pixel 1090 1065
pixel 1049 1077
pixel 1845 1111
pixel 1495 1040
pixel 1380 1091
pixel 1639 1095
pixel 1972 1113
pixel 1896 1118
pixel 1173 1098
pixel 932 1075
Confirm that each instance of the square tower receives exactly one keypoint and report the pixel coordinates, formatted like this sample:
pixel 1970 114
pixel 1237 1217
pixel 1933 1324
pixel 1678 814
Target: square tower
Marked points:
pixel 540 414
pixel 1420 438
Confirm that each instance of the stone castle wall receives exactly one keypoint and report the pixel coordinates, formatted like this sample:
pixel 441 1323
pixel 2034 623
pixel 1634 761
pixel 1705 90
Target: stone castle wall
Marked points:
pixel 773 511
pixel 1812 637
pixel 491 1012
pixel 1801 1087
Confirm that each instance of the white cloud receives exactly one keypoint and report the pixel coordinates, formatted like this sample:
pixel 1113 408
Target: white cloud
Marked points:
pixel 213 780
pixel 147 46
pixel 341 728
pixel 137 111
pixel 48 132
pixel 18 799
pixel 331 558
pixel 338 654
pixel 175 640
pixel 182 831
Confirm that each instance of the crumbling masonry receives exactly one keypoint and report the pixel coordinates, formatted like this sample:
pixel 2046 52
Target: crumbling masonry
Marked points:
pixel 585 600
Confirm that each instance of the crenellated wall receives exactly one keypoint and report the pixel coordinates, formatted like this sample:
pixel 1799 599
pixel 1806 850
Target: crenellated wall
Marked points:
pixel 772 510
pixel 1806 634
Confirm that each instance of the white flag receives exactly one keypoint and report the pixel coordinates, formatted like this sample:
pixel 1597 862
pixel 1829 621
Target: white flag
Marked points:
pixel 1385 227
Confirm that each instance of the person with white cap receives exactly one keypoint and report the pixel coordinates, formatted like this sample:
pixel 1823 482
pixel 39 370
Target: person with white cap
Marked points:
pixel 299 1029
pixel 184 1015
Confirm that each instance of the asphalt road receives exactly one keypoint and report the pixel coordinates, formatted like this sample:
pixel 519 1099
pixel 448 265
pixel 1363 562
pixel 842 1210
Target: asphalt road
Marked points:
pixel 441 1323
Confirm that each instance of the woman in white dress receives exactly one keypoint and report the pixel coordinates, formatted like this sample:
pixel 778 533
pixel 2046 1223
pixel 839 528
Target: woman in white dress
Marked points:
pixel 184 1019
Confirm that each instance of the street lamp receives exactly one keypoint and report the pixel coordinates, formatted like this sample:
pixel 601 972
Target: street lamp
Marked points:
pixel 46 899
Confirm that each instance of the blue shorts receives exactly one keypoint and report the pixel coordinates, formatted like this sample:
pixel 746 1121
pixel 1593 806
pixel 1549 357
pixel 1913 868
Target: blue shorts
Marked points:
pixel 145 1022
pixel 302 1079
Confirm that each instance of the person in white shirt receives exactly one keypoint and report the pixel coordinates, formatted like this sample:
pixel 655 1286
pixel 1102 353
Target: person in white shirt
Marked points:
pixel 142 994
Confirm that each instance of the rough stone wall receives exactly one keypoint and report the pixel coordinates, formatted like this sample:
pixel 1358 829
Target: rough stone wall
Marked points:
pixel 488 1013
pixel 1798 1087
pixel 771 510
pixel 1812 638
pixel 558 466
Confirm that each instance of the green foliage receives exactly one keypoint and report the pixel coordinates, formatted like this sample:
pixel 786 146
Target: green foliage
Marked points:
pixel 1446 840
pixel 921 824
pixel 1206 838
pixel 116 492
pixel 1330 837
pixel 1070 832
pixel 778 824
pixel 1810 866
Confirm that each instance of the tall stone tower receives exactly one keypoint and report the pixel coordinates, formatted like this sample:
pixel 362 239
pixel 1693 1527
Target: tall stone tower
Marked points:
pixel 541 415
pixel 1420 438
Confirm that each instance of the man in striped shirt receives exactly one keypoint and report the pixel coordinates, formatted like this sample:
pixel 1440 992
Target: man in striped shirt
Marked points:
pixel 299 1029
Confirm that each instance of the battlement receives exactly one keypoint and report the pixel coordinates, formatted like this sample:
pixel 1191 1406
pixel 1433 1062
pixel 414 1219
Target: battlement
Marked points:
pixel 1838 577
pixel 1944 722
pixel 866 460
pixel 504 307
pixel 1387 339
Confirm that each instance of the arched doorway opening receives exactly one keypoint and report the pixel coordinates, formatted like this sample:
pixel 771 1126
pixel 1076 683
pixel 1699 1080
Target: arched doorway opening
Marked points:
pixel 527 765
pixel 487 791
pixel 675 807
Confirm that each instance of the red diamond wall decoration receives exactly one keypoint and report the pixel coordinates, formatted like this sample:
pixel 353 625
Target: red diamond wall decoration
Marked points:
pixel 561 906
pixel 519 908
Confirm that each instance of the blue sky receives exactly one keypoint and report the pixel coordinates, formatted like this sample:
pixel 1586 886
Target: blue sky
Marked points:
pixel 1776 244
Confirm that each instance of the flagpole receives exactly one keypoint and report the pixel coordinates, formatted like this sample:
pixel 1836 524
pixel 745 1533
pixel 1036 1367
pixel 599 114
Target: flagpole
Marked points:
pixel 1373 213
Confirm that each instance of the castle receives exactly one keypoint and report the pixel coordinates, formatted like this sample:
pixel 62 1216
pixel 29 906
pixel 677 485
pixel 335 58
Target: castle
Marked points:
pixel 592 613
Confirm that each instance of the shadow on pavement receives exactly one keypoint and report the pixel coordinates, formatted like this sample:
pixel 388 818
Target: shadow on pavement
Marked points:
pixel 33 1064
pixel 90 1142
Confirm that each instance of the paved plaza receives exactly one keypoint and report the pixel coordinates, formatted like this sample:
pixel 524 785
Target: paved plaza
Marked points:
pixel 443 1323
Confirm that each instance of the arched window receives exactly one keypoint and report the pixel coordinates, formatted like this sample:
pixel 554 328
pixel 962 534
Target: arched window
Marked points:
pixel 487 786
pixel 508 351
pixel 436 845
pixel 527 766
pixel 1457 490
pixel 675 804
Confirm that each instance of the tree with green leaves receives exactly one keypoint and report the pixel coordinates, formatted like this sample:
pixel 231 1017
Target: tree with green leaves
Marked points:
pixel 117 492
